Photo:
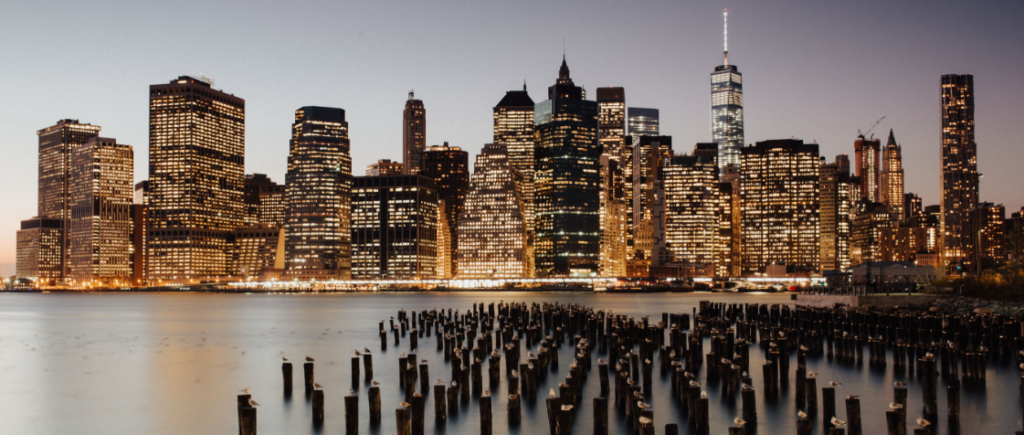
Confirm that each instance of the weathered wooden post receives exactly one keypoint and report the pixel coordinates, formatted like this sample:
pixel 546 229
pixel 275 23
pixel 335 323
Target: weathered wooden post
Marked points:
pixel 307 372
pixel 738 430
pixel 892 422
pixel 514 409
pixel 373 399
pixel 485 415
pixel 368 365
pixel 453 400
pixel 402 416
pixel 355 371
pixel 900 397
pixel 352 414
pixel 553 406
pixel 247 421
pixel 671 429
pixel 853 419
pixel 417 411
pixel 749 405
pixel 828 404
pixel 564 420
pixel 811 385
pixel 286 373
pixel 803 427
pixel 600 416
pixel 440 413
pixel 953 399
pixel 703 418
pixel 318 406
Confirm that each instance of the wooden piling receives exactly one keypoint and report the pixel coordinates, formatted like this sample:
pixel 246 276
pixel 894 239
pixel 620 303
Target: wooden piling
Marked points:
pixel 453 400
pixel 600 416
pixel 563 423
pixel 247 421
pixel 703 418
pixel 671 429
pixel 514 409
pixel 352 414
pixel 286 373
pixel 953 399
pixel 892 423
pixel 368 365
pixel 553 406
pixel 355 371
pixel 417 412
pixel 749 401
pixel 403 417
pixel 318 406
pixel 485 415
pixel 373 399
pixel 307 373
pixel 736 431
pixel 803 427
pixel 853 419
pixel 828 405
pixel 811 390
pixel 440 413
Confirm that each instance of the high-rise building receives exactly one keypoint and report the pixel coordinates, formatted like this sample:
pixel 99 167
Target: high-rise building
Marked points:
pixel 258 252
pixel 448 167
pixel 39 250
pixel 728 261
pixel 649 153
pixel 615 155
pixel 567 181
pixel 912 208
pixel 394 227
pixel 868 152
pixel 102 185
pixel 196 178
pixel 959 171
pixel 318 193
pixel 892 178
pixel 988 227
pixel 692 209
pixel 414 135
pixel 727 107
pixel 836 205
pixel 642 121
pixel 492 227
pixel 513 128
pixel 780 182
pixel 383 167
pixel 264 201
pixel 141 195
pixel 56 144
pixel 139 214
pixel 868 243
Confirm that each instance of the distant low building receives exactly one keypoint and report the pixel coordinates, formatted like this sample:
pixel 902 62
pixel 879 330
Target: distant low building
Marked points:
pixel 39 250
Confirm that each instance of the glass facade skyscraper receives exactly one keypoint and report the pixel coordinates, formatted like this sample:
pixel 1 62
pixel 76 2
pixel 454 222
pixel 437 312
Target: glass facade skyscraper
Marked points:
pixel 959 153
pixel 727 110
pixel 102 186
pixel 448 167
pixel 513 128
pixel 567 181
pixel 318 189
pixel 414 135
pixel 642 121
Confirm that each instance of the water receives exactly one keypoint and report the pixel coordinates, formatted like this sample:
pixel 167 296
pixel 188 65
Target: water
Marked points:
pixel 172 363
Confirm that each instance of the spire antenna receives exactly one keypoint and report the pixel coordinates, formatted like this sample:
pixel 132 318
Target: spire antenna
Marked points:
pixel 563 46
pixel 725 34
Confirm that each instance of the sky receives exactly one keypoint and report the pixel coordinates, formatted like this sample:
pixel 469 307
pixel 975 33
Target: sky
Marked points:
pixel 812 70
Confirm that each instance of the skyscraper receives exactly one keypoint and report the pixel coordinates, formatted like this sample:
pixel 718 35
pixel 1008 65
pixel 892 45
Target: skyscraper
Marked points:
pixel 692 209
pixel 264 201
pixel 892 178
pixel 836 204
pixel 492 228
pixel 414 135
pixel 780 200
pixel 867 151
pixel 727 107
pixel 448 167
pixel 102 186
pixel 867 242
pixel 513 128
pixel 318 189
pixel 959 170
pixel 394 227
pixel 383 167
pixel 196 178
pixel 39 250
pixel 611 103
pixel 648 155
pixel 567 181
pixel 56 144
pixel 642 121
pixel 988 227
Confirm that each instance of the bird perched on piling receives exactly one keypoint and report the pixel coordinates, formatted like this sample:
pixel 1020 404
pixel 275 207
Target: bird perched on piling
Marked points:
pixel 366 350
pixel 803 348
pixel 747 388
pixel 309 358
pixel 640 404
pixel 454 383
pixel 357 353
pixel 895 406
pixel 253 403
pixel 922 422
pixel 439 381
pixel 899 384
pixel 801 415
pixel 837 422
pixel 406 404
pixel 245 391
pixel 375 383
pixel 703 394
pixel 694 384
pixel 317 386
pixel 283 359
pixel 739 421
pixel 834 384
pixel 515 374
pixel 852 397
pixel 645 421
pixel 811 374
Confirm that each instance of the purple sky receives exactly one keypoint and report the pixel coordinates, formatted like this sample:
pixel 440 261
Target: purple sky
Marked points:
pixel 812 70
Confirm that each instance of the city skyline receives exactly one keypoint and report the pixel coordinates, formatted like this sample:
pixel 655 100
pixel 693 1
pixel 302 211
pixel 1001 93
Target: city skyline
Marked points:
pixel 380 138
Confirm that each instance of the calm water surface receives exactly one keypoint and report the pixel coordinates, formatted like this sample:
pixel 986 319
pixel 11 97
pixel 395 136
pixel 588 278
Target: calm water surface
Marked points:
pixel 173 363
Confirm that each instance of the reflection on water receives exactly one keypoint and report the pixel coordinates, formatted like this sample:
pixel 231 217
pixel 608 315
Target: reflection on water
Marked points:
pixel 173 363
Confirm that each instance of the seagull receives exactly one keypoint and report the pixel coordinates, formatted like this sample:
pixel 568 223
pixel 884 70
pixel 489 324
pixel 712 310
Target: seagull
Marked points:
pixel 566 407
pixel 640 404
pixel 852 397
pixel 694 384
pixel 515 374
pixel 837 422
pixel 423 361
pixel 440 381
pixel 357 353
pixel 744 374
pixel 403 354
pixel 551 393
pixel 739 421
pixel 834 384
pixel 601 361
pixel 350 392
pixel 703 394
pixel 726 362
pixel 895 406
pixel 922 422
pixel 454 383
pixel 899 384
pixel 253 403
pixel 928 355
pixel 688 375
pixel 375 383
pixel 804 348
pixel 645 420
pixel 801 415
pixel 317 386
pixel 309 358
pixel 487 392
pixel 811 374
pixel 245 391
pixel 366 350
pixel 283 359
pixel 406 404
pixel 747 388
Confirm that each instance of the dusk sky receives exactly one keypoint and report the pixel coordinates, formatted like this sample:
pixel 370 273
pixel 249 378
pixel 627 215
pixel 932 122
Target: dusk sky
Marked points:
pixel 816 70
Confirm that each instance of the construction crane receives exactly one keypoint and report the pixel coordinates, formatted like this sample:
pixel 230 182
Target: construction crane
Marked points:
pixel 859 134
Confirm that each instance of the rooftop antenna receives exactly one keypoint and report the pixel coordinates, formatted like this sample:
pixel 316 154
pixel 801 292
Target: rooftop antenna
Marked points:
pixel 563 46
pixel 725 31
pixel 412 95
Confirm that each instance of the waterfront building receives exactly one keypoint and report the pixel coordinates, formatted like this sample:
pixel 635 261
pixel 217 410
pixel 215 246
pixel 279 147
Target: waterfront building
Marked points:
pixel 692 228
pixel 448 166
pixel 643 121
pixel 779 187
pixel 258 252
pixel 615 155
pixel 196 178
pixel 649 153
pixel 959 170
pixel 492 227
pixel 56 144
pixel 394 227
pixel 443 263
pixel 264 200
pixel 414 135
pixel 318 189
pixel 867 242
pixel 727 107
pixel 988 227
pixel 102 186
pixel 892 178
pixel 514 129
pixel 836 222
pixel 868 169
pixel 139 214
pixel 567 181
pixel 383 167
pixel 39 254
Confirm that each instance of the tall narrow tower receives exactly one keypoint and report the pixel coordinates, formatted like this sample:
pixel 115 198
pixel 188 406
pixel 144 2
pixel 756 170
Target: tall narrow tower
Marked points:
pixel 892 178
pixel 959 167
pixel 727 108
pixel 414 135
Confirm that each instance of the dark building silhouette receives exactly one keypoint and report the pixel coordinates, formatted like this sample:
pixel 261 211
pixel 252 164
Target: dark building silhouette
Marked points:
pixel 318 189
pixel 414 135
pixel 394 227
pixel 448 167
pixel 959 171
pixel 567 181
